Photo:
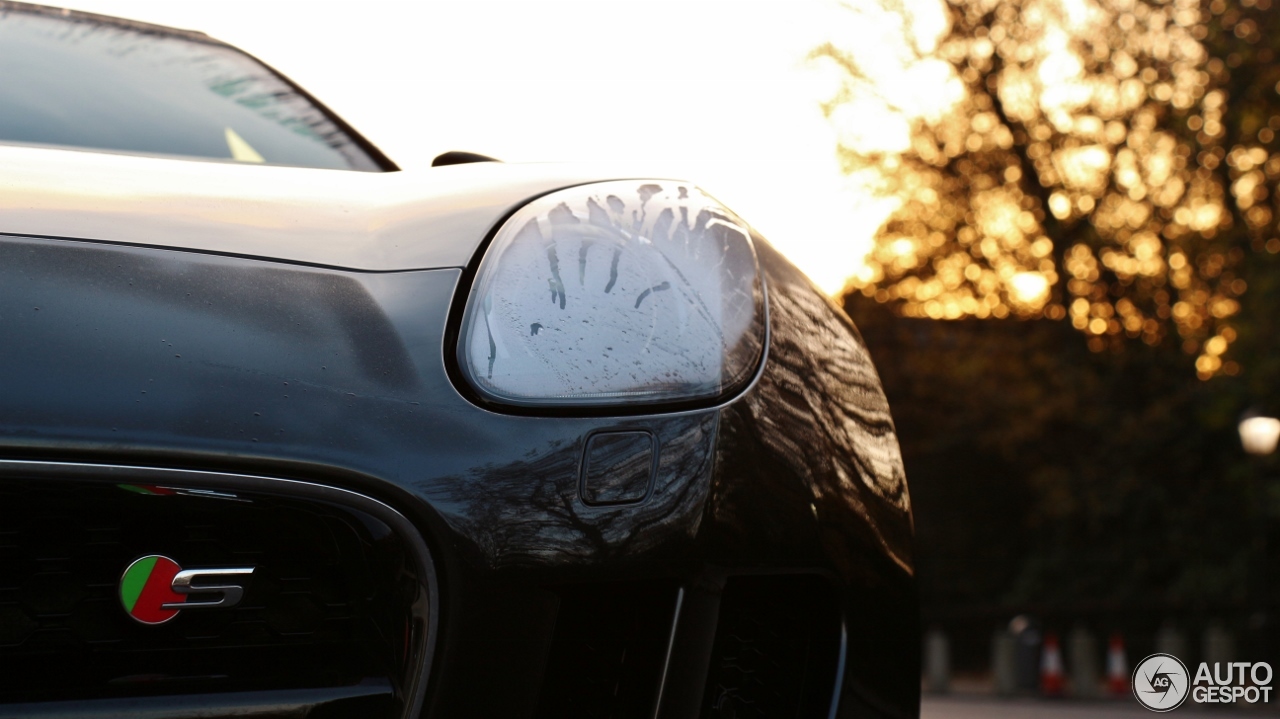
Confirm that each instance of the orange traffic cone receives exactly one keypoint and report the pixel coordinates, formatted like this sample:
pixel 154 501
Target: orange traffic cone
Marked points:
pixel 1117 666
pixel 1051 678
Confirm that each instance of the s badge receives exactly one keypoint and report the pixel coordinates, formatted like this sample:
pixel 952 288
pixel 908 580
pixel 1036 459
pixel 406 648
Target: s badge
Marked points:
pixel 153 589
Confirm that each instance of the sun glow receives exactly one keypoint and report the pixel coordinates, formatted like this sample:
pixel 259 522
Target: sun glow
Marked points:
pixel 666 89
pixel 1029 288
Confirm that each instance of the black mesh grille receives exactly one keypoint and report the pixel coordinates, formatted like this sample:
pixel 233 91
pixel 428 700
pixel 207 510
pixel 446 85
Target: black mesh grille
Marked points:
pixel 776 648
pixel 327 604
pixel 610 643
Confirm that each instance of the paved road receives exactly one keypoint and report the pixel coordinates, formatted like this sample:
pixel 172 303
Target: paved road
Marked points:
pixel 985 708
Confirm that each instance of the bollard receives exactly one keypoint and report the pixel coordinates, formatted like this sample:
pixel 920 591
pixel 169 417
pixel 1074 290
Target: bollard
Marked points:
pixel 1082 662
pixel 1219 647
pixel 1004 663
pixel 1026 653
pixel 937 661
pixel 1171 640
pixel 1219 644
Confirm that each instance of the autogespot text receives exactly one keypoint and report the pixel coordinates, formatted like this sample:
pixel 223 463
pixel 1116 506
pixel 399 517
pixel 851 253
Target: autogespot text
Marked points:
pixel 1232 682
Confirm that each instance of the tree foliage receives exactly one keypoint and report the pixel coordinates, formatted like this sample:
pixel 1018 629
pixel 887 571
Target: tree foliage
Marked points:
pixel 1108 163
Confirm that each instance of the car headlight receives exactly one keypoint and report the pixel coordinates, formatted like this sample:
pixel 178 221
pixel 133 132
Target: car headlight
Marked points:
pixel 615 293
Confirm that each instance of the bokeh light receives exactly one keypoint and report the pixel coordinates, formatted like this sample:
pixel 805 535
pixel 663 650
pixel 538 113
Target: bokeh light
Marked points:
pixel 1074 163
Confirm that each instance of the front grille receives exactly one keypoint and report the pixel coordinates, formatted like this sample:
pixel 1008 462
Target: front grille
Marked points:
pixel 330 603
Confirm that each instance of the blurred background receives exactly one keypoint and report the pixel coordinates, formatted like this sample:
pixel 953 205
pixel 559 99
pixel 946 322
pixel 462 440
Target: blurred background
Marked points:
pixel 1054 221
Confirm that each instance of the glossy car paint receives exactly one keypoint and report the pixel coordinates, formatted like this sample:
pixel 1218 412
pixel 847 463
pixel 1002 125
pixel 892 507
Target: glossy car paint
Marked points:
pixel 375 222
pixel 136 355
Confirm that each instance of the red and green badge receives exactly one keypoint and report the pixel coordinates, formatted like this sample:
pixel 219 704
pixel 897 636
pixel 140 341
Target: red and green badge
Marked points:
pixel 147 585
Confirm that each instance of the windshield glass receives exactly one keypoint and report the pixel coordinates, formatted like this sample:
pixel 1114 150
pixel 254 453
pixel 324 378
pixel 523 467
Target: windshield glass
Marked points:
pixel 83 81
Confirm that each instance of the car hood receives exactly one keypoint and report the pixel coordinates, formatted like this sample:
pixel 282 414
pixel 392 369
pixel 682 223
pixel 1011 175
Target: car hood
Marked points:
pixel 352 220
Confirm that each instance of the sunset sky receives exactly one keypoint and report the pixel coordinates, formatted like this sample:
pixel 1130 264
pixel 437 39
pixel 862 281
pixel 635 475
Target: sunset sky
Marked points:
pixel 715 92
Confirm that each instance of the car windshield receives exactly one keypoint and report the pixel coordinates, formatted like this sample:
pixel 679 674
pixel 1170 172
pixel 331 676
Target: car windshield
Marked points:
pixel 82 81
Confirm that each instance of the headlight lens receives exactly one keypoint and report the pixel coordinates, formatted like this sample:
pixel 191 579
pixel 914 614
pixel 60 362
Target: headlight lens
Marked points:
pixel 615 293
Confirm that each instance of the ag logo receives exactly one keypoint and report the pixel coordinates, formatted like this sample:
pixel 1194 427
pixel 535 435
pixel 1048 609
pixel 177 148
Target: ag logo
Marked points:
pixel 1160 682
pixel 154 588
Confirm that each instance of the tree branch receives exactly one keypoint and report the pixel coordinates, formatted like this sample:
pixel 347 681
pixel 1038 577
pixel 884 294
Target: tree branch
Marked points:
pixel 1030 184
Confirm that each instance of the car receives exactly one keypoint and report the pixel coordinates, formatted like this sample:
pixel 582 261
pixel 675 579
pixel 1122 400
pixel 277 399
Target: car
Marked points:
pixel 285 431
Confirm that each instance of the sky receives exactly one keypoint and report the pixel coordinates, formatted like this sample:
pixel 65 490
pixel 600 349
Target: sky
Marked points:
pixel 717 92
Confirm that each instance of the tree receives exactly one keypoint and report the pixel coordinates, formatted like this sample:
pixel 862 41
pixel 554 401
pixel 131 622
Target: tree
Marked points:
pixel 1107 163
